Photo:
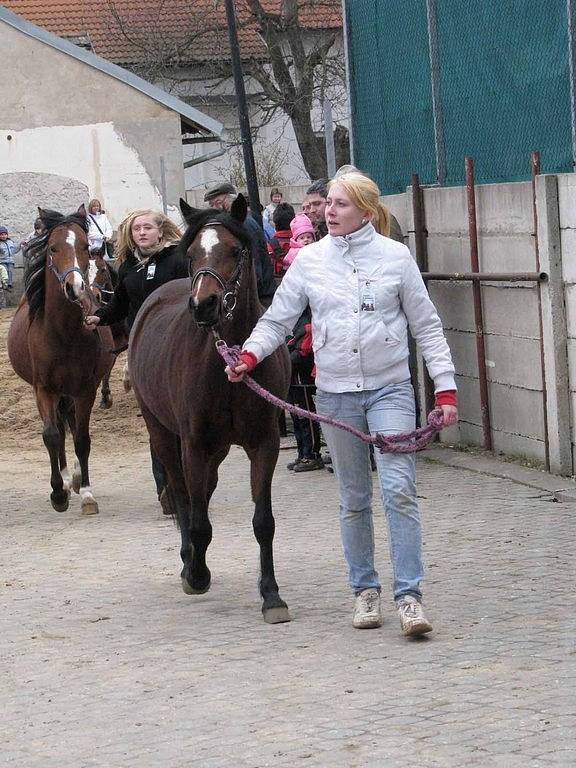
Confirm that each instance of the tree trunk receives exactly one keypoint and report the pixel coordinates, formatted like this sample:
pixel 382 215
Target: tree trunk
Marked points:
pixel 311 147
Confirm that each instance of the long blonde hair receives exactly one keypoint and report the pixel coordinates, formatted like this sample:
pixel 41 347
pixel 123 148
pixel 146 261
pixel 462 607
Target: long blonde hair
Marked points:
pixel 365 195
pixel 125 245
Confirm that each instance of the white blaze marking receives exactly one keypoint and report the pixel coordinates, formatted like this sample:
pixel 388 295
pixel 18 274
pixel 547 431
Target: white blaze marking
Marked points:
pixel 76 277
pixel 208 239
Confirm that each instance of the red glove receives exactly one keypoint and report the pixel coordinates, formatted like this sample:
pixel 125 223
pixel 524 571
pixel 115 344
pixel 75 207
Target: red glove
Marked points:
pixel 249 359
pixel 447 397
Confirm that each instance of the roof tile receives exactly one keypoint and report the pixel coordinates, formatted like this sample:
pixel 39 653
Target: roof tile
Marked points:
pixel 169 24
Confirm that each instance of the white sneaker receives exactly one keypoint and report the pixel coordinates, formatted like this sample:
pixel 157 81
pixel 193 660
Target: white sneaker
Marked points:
pixel 412 619
pixel 367 613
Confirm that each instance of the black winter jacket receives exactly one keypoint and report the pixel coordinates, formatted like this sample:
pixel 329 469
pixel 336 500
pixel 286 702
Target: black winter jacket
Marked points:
pixel 136 283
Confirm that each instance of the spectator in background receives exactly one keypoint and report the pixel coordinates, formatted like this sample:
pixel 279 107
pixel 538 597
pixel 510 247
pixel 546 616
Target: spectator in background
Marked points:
pixel 3 285
pixel 8 249
pixel 99 229
pixel 302 234
pixel 275 199
pixel 279 245
pixel 38 231
pixel 221 198
pixel 316 205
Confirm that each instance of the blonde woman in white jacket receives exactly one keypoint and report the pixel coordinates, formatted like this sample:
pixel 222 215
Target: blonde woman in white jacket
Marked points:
pixel 364 291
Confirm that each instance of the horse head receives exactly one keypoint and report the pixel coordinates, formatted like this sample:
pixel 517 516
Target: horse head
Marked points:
pixel 66 244
pixel 218 250
pixel 102 279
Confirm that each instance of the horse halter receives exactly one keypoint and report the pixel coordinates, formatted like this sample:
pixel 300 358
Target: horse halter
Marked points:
pixel 229 299
pixel 61 276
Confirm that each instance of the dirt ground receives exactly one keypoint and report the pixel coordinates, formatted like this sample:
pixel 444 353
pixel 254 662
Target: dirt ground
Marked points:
pixel 113 431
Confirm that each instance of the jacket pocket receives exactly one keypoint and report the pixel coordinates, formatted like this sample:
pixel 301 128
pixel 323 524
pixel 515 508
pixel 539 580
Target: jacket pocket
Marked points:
pixel 388 336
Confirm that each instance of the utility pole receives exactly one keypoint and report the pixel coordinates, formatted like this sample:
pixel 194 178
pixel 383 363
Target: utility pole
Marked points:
pixel 244 119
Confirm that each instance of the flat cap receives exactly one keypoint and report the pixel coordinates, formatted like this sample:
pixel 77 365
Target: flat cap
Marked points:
pixel 221 189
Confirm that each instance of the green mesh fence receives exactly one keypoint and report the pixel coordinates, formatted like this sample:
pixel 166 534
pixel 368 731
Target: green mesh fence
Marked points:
pixel 502 80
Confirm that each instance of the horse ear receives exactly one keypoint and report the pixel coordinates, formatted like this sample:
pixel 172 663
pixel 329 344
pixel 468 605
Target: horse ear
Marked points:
pixel 187 211
pixel 82 211
pixel 239 208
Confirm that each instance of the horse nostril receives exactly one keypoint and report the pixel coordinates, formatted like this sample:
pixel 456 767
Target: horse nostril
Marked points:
pixel 70 291
pixel 206 310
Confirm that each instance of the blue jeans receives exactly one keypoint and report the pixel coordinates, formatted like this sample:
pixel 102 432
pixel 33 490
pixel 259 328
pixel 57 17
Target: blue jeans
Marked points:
pixel 388 410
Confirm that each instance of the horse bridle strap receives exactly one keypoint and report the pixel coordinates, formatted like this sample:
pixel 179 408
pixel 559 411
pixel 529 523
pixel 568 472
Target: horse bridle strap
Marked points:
pixel 229 299
pixel 61 276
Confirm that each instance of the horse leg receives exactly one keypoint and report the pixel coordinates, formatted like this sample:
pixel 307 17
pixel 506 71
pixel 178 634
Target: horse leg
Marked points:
pixel 262 463
pixel 166 447
pixel 53 439
pixel 105 397
pixel 195 573
pixel 82 442
pixel 66 477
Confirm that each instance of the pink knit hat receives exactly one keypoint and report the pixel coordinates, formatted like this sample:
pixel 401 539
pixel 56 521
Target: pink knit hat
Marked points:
pixel 300 224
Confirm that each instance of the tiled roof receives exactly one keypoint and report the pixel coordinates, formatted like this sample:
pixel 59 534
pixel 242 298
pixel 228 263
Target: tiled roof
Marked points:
pixel 168 24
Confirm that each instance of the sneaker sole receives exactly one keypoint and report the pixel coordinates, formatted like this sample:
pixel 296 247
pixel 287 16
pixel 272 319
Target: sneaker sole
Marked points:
pixel 369 624
pixel 416 630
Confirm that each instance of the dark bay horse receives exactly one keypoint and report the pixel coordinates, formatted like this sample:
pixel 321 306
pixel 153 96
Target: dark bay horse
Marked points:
pixel 192 412
pixel 103 279
pixel 50 348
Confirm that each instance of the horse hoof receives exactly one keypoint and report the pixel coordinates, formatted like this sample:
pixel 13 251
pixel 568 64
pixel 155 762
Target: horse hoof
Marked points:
pixel 60 506
pixel 89 508
pixel 105 404
pixel 76 481
pixel 190 590
pixel 278 615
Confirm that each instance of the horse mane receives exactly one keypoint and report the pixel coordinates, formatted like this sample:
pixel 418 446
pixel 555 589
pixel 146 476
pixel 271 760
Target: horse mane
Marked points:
pixel 38 257
pixel 199 220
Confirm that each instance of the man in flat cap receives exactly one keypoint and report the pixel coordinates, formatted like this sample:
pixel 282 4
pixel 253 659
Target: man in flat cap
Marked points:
pixel 222 197
pixel 218 196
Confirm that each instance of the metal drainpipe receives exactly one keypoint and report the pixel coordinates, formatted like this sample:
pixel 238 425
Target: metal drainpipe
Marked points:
pixel 478 319
pixel 421 248
pixel 535 170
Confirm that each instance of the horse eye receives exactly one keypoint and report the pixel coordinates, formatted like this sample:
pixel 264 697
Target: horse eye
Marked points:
pixel 53 248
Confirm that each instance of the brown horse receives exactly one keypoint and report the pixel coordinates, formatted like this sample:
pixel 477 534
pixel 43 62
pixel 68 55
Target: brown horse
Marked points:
pixel 103 280
pixel 192 412
pixel 50 348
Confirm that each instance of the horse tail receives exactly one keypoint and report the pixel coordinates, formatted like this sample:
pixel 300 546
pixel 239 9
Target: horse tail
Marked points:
pixel 66 410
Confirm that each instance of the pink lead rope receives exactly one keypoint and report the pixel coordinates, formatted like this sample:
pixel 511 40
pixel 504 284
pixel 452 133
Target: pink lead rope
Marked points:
pixel 404 442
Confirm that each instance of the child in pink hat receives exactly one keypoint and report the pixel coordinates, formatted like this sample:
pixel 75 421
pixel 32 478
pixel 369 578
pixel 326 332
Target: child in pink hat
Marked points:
pixel 302 234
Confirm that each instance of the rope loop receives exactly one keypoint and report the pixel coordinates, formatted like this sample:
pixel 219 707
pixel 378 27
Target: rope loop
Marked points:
pixel 404 442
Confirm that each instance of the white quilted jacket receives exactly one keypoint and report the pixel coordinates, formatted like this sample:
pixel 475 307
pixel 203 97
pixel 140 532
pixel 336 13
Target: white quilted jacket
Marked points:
pixel 356 349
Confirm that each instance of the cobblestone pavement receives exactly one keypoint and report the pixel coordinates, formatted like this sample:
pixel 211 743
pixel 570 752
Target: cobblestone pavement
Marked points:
pixel 105 662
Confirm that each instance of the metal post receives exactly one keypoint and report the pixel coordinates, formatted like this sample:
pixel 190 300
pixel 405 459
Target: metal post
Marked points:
pixel 243 117
pixel 535 170
pixel 421 248
pixel 572 71
pixel 478 319
pixel 436 99
pixel 163 185
pixel 345 35
pixel 329 139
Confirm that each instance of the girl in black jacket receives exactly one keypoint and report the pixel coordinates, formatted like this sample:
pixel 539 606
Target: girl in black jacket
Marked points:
pixel 147 257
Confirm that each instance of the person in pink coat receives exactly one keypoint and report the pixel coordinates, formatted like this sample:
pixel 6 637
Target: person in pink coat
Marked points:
pixel 302 234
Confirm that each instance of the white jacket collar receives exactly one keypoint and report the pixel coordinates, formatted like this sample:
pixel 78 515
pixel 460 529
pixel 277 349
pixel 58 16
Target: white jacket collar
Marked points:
pixel 362 237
